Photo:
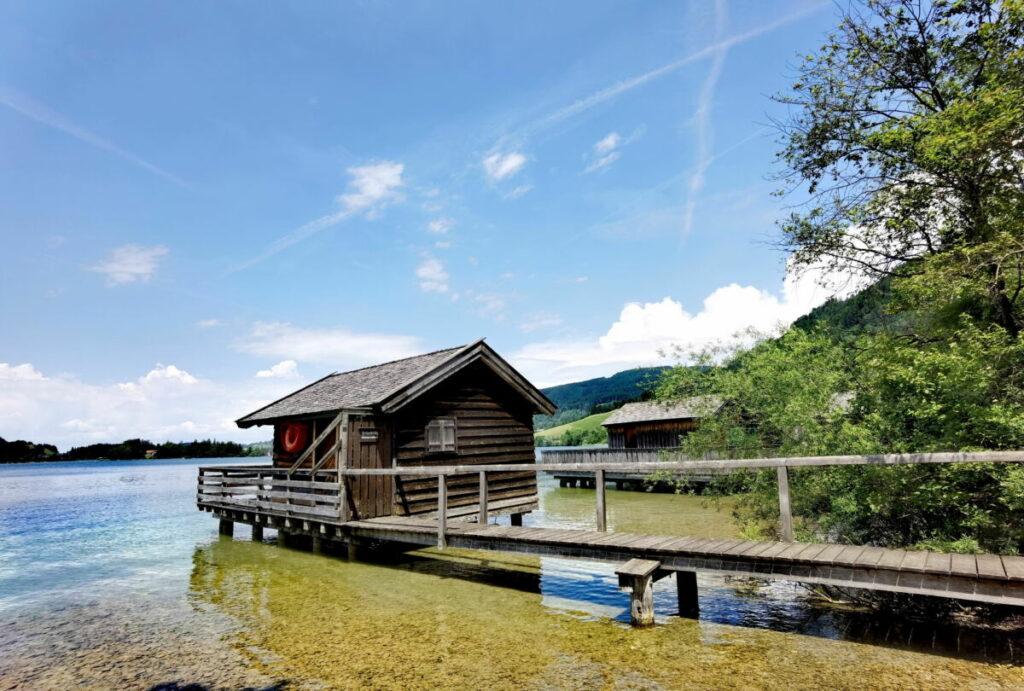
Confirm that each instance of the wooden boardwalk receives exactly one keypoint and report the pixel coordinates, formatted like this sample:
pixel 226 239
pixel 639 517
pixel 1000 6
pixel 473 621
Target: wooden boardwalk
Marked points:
pixel 315 505
pixel 980 578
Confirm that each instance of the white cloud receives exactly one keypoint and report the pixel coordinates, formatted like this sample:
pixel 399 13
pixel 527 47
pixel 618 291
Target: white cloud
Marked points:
pixel 283 369
pixel 499 166
pixel 644 333
pixel 372 186
pixel 507 275
pixel 130 263
pixel 442 225
pixel 18 372
pixel 442 244
pixel 208 323
pixel 432 275
pixel 608 143
pixel 167 403
pixel 337 347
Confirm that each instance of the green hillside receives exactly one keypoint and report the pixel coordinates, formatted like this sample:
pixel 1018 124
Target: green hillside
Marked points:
pixel 602 394
pixel 585 431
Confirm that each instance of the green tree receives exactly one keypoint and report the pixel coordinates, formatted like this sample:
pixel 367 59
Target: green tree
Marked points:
pixel 906 129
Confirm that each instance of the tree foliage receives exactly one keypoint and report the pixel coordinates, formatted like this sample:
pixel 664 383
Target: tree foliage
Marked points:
pixel 906 128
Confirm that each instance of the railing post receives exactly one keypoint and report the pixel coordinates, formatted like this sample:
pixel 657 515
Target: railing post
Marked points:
pixel 602 523
pixel 341 463
pixel 483 498
pixel 442 511
pixel 785 511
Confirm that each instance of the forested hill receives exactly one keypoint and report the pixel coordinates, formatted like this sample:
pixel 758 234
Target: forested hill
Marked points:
pixel 580 399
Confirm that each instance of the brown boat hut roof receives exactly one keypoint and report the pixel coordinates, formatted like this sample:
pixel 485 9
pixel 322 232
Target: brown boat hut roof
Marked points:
pixel 389 386
pixel 692 408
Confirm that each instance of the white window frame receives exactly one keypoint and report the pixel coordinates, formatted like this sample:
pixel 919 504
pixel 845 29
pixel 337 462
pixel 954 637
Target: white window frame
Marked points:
pixel 441 436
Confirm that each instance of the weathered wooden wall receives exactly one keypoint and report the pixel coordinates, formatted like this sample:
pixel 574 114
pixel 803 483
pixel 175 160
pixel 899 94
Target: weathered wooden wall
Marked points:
pixel 649 435
pixel 370 495
pixel 493 426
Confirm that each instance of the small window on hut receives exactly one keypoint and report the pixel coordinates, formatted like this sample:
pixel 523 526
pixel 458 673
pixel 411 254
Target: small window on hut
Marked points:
pixel 441 435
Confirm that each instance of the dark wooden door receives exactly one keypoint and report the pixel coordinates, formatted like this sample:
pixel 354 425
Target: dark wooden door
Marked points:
pixel 370 444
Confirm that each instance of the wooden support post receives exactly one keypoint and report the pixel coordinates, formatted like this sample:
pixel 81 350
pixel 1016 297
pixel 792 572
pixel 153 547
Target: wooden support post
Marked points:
pixel 318 545
pixel 686 588
pixel 341 463
pixel 516 519
pixel 257 533
pixel 483 498
pixel 638 575
pixel 785 512
pixel 602 523
pixel 283 537
pixel 227 527
pixel 442 511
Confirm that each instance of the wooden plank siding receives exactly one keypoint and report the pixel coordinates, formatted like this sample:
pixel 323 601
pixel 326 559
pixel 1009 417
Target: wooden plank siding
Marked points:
pixel 649 435
pixel 493 426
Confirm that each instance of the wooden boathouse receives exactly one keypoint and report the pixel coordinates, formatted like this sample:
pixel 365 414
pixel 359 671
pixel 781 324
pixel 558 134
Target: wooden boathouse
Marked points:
pixel 656 425
pixel 462 406
pixel 639 432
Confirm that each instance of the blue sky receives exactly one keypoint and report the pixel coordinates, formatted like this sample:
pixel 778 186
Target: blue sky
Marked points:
pixel 206 205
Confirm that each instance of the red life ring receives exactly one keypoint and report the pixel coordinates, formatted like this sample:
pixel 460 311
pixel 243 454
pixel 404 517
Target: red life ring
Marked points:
pixel 294 436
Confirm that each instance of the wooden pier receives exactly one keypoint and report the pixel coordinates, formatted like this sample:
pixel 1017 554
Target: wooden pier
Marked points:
pixel 265 497
pixel 633 462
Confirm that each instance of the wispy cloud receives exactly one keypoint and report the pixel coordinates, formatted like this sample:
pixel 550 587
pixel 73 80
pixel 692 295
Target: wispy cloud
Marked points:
pixel 335 346
pixel 433 276
pixel 440 226
pixel 598 97
pixel 371 188
pixel 20 103
pixel 608 150
pixel 517 192
pixel 499 166
pixel 702 123
pixel 208 323
pixel 130 264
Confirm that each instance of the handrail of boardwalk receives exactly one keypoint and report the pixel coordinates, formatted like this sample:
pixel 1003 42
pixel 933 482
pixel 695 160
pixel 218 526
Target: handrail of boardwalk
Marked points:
pixel 321 498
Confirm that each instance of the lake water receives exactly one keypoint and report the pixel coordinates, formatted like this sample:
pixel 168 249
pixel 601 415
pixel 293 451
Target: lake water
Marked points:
pixel 110 578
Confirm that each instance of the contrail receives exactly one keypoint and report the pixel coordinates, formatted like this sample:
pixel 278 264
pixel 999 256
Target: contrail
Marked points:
pixel 607 93
pixel 34 110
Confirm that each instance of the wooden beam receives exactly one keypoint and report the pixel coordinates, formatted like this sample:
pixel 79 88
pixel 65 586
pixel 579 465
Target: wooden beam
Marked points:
pixel 686 589
pixel 317 441
pixel 785 511
pixel 601 517
pixel 482 520
pixel 638 575
pixel 344 509
pixel 442 511
pixel 802 462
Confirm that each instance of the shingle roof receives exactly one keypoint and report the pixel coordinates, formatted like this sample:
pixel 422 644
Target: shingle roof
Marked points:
pixel 654 411
pixel 356 389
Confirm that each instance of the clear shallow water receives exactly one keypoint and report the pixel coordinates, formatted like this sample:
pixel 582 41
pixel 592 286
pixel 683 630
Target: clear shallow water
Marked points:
pixel 110 578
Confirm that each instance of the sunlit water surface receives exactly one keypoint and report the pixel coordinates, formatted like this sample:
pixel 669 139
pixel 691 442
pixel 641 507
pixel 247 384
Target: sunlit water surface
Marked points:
pixel 110 578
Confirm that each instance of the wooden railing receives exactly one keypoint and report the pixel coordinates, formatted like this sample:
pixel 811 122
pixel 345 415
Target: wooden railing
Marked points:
pixel 315 494
pixel 781 466
pixel 301 493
